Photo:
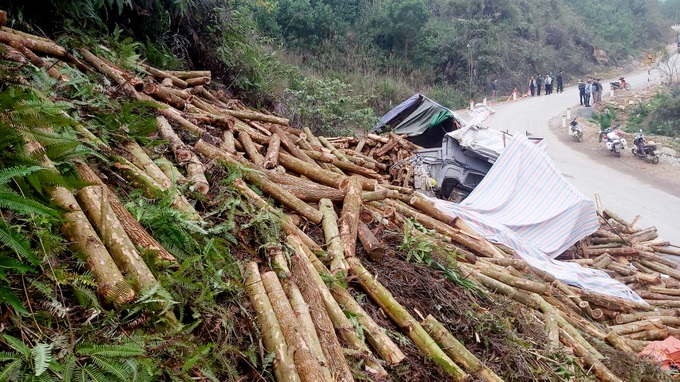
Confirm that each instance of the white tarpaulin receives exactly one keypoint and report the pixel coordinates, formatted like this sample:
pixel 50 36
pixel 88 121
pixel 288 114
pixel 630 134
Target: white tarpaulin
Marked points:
pixel 525 203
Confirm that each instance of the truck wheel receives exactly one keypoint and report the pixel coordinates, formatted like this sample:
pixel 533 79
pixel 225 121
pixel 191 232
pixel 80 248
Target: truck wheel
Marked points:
pixel 447 188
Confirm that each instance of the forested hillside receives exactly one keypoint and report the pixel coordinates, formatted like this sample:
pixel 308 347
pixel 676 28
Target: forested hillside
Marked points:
pixel 370 53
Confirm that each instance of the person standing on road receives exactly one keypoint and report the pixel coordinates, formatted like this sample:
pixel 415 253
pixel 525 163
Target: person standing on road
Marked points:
pixel 581 92
pixel 539 84
pixel 494 89
pixel 589 93
pixel 548 80
pixel 560 82
pixel 532 85
pixel 598 95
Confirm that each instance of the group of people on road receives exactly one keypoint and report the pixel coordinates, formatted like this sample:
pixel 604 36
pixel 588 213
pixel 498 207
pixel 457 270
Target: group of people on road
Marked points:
pixel 539 82
pixel 590 91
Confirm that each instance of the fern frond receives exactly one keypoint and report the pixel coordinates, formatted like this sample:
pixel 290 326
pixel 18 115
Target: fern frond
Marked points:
pixel 21 205
pixel 111 367
pixel 129 349
pixel 17 345
pixel 16 242
pixel 93 373
pixel 11 299
pixel 68 372
pixel 6 174
pixel 8 356
pixel 9 371
pixel 42 356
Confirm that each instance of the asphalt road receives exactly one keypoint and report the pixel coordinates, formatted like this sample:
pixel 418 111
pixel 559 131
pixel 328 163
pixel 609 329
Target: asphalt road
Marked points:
pixel 622 193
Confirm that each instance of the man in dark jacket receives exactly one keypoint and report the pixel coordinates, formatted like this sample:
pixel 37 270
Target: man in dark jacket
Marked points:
pixel 539 84
pixel 582 91
pixel 560 83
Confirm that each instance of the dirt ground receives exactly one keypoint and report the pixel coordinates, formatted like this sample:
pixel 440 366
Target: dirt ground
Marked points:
pixel 665 175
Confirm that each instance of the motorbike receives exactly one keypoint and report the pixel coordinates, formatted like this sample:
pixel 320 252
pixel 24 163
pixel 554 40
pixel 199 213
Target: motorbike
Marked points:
pixel 613 140
pixel 575 130
pixel 641 149
pixel 621 84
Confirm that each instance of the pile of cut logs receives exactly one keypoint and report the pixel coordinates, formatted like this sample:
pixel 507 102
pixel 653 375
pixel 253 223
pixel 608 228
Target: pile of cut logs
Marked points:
pixel 342 185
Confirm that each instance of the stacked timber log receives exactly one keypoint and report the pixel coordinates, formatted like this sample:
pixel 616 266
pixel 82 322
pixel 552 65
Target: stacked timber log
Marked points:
pixel 340 187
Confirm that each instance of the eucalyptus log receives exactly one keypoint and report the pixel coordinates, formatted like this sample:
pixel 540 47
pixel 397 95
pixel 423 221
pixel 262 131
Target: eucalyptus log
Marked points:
pixel 668 250
pixel 343 165
pixel 665 291
pixel 342 324
pixel 292 148
pixel 132 228
pixel 349 217
pixel 333 149
pixel 170 171
pixel 661 269
pixel 404 320
pixel 271 160
pixel 180 83
pixel 272 335
pixel 330 344
pixel 161 94
pixel 332 235
pixel 37 61
pixel 110 72
pixel 374 248
pixel 271 188
pixel 457 351
pixel 255 116
pixel 301 308
pixel 185 156
pixel 33 43
pixel 525 284
pixel 307 366
pixel 12 54
pixel 288 226
pixel 601 371
pixel 110 282
pixel 186 74
pixel 197 81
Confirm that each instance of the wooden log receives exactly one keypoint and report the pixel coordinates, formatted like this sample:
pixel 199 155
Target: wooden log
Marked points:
pixel 272 336
pixel 37 61
pixel 601 371
pixel 614 303
pixel 668 250
pixel 228 139
pixel 635 326
pixel 185 156
pixel 626 318
pixel 300 307
pixel 180 83
pixel 307 366
pixel 315 193
pixel 329 342
pixel 524 284
pixel 269 187
pixel 342 324
pixel 643 235
pixel 134 230
pixel 618 342
pixel 255 116
pixel 342 165
pixel 664 291
pixel 618 219
pixel 404 320
pixel 664 303
pixel 332 236
pixel 457 351
pixel 170 171
pixel 374 248
pixel 650 335
pixel 107 70
pixel 661 268
pixel 651 256
pixel 162 94
pixel 250 148
pixel 271 160
pixel 349 217
pixel 33 43
pixel 197 81
pixel 186 74
pixel 623 251
pixel 12 54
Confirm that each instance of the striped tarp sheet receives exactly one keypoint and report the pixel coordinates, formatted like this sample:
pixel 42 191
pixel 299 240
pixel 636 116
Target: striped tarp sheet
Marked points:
pixel 525 203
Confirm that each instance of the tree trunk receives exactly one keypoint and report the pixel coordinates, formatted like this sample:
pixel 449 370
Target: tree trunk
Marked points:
pixel 271 160
pixel 332 235
pixel 349 217
pixel 185 156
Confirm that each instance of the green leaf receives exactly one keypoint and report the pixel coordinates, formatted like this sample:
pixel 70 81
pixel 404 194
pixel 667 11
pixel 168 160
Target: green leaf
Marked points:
pixel 42 356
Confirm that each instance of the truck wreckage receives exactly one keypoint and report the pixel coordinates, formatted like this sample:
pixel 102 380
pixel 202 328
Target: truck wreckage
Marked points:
pixel 456 154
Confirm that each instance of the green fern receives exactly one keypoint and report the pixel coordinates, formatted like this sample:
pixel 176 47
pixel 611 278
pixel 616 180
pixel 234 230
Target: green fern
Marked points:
pixel 42 357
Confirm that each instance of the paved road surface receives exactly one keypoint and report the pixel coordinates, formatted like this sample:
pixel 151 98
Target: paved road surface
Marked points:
pixel 620 192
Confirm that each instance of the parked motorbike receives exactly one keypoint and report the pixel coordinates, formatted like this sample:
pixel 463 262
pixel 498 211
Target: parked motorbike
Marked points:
pixel 641 149
pixel 613 140
pixel 575 130
pixel 620 84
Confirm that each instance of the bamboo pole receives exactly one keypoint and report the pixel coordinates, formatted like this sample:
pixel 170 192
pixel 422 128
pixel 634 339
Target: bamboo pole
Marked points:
pixel 404 320
pixel 272 335
pixel 307 366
